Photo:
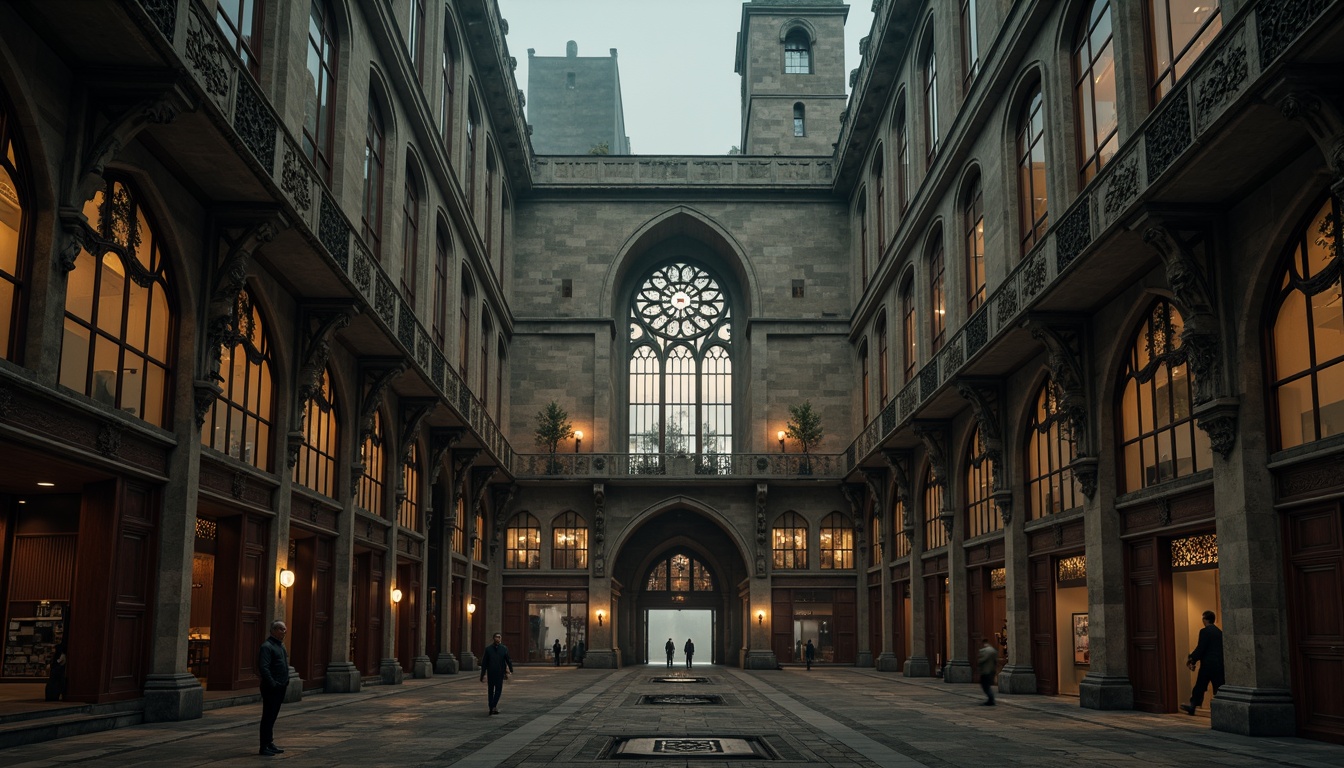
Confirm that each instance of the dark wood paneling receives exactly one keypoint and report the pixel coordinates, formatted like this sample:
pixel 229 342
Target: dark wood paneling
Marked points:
pixel 781 624
pixel 1168 515
pixel 1148 612
pixel 1044 645
pixel 44 567
pixel 1312 478
pixel 935 630
pixel 1056 537
pixel 1314 541
pixel 877 619
pixel 846 620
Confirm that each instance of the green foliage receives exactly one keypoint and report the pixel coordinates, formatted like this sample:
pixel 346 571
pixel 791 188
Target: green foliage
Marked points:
pixel 805 426
pixel 553 425
pixel 600 148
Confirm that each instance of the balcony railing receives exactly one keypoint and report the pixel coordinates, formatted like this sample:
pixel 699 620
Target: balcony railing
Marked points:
pixel 822 466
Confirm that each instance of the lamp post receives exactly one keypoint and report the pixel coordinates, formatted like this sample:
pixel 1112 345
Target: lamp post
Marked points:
pixel 780 435
pixel 578 439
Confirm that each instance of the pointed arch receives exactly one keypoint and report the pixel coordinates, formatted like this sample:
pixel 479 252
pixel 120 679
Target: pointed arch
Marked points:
pixel 522 542
pixel 935 533
pixel 835 542
pixel 241 420
pixel 789 536
pixel 1051 484
pixel 569 541
pixel 316 465
pixel 373 469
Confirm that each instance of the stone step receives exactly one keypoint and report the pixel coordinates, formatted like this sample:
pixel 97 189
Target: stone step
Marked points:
pixel 63 724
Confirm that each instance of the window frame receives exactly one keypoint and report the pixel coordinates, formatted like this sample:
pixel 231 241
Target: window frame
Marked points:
pixel 373 468
pixel 528 556
pixel 246 47
pixel 982 512
pixel 835 542
pixel 1092 149
pixel 319 145
pixel 797 59
pixel 973 223
pixel 371 209
pixel 316 466
pixel 252 342
pixel 570 553
pixel 935 533
pixel 789 542
pixel 1032 228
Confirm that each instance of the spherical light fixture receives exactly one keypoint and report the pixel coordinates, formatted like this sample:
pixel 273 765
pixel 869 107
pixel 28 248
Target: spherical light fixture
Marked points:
pixel 286 578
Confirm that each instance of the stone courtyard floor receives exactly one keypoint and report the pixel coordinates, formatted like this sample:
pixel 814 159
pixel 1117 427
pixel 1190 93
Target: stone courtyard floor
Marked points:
pixel 839 716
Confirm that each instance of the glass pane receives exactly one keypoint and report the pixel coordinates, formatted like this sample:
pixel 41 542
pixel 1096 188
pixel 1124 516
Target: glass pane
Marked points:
pixel 1291 346
pixel 1296 418
pixel 111 294
pixel 1133 467
pixel 74 356
pixel 1327 324
pixel 1330 389
pixel 106 361
pixel 79 287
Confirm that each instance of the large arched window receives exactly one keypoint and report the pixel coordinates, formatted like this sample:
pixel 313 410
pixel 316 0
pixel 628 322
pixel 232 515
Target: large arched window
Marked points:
pixel 879 172
pixel 937 299
pixel 1051 484
pixel 799 119
pixel 369 495
pixel 982 514
pixel 464 326
pixel 1159 441
pixel 836 542
pixel 1181 30
pixel 902 135
pixel 863 369
pixel 797 52
pixel 239 422
pixel 13 198
pixel 408 512
pixel 1094 90
pixel 930 74
pixel 973 222
pixel 883 359
pixel 900 539
pixel 681 369
pixel 442 263
pixel 1307 333
pixel 447 86
pixel 316 468
pixel 909 331
pixel 1032 202
pixel 415 36
pixel 522 542
pixel 876 550
pixel 319 102
pixel 679 573
pixel 569 549
pixel 935 535
pixel 118 325
pixel 371 211
pixel 790 542
pixel 410 234
pixel 473 124
pixel 240 21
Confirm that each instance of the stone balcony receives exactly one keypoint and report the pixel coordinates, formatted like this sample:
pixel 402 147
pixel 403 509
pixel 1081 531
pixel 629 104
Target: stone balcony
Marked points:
pixel 732 467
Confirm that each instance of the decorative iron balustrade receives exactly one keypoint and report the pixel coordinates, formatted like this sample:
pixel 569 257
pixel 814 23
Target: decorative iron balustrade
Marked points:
pixel 827 466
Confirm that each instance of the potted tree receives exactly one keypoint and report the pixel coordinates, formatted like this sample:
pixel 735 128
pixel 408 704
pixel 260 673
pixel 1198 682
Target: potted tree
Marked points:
pixel 553 425
pixel 805 427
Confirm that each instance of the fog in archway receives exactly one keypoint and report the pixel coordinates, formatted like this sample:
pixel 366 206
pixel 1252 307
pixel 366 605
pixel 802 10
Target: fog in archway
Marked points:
pixel 698 625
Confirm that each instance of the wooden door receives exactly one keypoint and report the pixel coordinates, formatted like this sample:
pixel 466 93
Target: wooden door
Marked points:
pixel 515 627
pixel 976 587
pixel 935 621
pixel 408 614
pixel 901 591
pixel 781 626
pixel 1044 645
pixel 846 626
pixel 1148 614
pixel 1314 540
pixel 875 621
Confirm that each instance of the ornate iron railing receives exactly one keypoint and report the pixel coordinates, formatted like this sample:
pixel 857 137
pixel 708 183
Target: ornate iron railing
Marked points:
pixel 822 466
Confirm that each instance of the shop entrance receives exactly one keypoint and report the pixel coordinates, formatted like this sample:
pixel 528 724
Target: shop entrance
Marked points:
pixel 535 619
pixel 1314 555
pixel 679 625
pixel 228 597
pixel 1061 651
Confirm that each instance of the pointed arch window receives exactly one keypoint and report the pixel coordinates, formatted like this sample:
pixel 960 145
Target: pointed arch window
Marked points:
pixel 900 540
pixel 790 542
pixel 371 212
pixel 408 512
pixel 1052 486
pixel 797 52
pixel 902 159
pixel 909 332
pixel 680 363
pixel 118 324
pixel 442 263
pixel 447 88
pixel 836 542
pixel 1159 440
pixel 13 231
pixel 937 300
pixel 973 220
pixel 240 420
pixel 240 21
pixel 679 573
pixel 1094 90
pixel 316 467
pixel 875 551
pixel 982 514
pixel 799 119
pixel 880 202
pixel 883 377
pixel 319 103
pixel 1032 202
pixel 935 534
pixel 415 37
pixel 522 542
pixel 931 128
pixel 410 236
pixel 1181 30
pixel 369 495
pixel 569 550
pixel 1307 333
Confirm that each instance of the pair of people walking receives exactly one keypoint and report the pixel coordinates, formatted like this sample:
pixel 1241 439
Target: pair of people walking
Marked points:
pixel 671 649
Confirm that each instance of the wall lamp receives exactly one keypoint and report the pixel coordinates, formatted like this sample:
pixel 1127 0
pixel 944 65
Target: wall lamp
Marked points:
pixel 396 595
pixel 780 435
pixel 600 615
pixel 760 618
pixel 578 439
pixel 286 578
pixel 471 608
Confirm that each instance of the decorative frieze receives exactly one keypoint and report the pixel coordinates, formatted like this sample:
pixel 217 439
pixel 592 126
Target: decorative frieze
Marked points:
pixel 1280 22
pixel 928 381
pixel 977 332
pixel 294 178
pixel 1312 478
pixel 1122 187
pixel 1033 277
pixel 206 59
pixel 1169 133
pixel 385 302
pixel 333 231
pixel 1006 299
pixel 1220 81
pixel 255 124
pixel 1074 233
pixel 163 13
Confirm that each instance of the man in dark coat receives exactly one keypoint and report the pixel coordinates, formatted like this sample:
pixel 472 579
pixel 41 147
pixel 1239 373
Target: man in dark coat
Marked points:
pixel 671 649
pixel 1209 654
pixel 809 653
pixel 555 651
pixel 496 666
pixel 690 651
pixel 273 667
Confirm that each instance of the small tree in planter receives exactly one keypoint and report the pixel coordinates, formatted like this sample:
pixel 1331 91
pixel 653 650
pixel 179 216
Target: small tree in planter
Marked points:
pixel 805 427
pixel 553 425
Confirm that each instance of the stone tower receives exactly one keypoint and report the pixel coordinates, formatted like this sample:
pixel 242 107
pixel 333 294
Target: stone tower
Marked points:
pixel 574 103
pixel 791 56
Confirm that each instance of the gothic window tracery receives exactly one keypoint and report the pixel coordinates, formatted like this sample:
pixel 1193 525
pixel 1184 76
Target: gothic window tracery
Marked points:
pixel 797 52
pixel 790 542
pixel 679 573
pixel 369 496
pixel 523 542
pixel 982 514
pixel 1051 485
pixel 240 420
pixel 935 535
pixel 316 467
pixel 1094 90
pixel 408 512
pixel 569 550
pixel 836 542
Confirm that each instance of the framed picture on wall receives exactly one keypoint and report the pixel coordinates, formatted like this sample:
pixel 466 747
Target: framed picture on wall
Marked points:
pixel 1082 653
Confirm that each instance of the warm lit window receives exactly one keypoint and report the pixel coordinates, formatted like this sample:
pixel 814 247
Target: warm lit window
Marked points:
pixel 239 421
pixel 118 327
pixel 415 37
pixel 478 537
pixel 900 540
pixel 883 378
pixel 12 232
pixel 410 238
pixel 970 41
pixel 1034 213
pixel 1094 90
pixel 937 300
pixel 679 573
pixel 973 221
pixel 523 542
pixel 935 534
pixel 459 527
pixel 836 542
pixel 790 542
pixel 464 327
pixel 447 86
pixel 1159 440
pixel 880 203
pixel 240 21
pixel 499 380
pixel 680 363
pixel 408 512
pixel 319 103
pixel 799 119
pixel 875 551
pixel 931 103
pixel 902 159
pixel 442 263
pixel 371 211
pixel 1051 484
pixel 909 333
pixel 316 467
pixel 982 514
pixel 863 365
pixel 369 494
pixel 569 550
pixel 1181 30
pixel 797 53
pixel 1307 335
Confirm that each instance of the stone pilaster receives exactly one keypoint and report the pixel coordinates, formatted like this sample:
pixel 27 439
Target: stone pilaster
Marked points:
pixel 1018 675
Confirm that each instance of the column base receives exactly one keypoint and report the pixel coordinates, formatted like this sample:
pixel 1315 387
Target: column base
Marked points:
pixel 917 666
pixel 601 660
pixel 1098 691
pixel 958 671
pixel 886 662
pixel 342 677
pixel 863 659
pixel 466 662
pixel 391 671
pixel 422 667
pixel 446 664
pixel 1018 679
pixel 173 697
pixel 760 660
pixel 1253 711
pixel 294 688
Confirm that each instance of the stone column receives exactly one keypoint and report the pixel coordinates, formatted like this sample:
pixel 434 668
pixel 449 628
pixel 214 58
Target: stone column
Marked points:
pixel 958 668
pixel 760 655
pixel 342 674
pixel 601 652
pixel 886 657
pixel 1106 684
pixel 445 516
pixel 1018 675
pixel 918 663
pixel 389 667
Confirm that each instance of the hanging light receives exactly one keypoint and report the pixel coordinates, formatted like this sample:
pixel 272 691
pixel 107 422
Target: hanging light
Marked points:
pixel 286 578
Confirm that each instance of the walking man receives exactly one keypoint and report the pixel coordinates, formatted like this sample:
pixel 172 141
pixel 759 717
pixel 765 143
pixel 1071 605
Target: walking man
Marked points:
pixel 690 651
pixel 555 652
pixel 1209 654
pixel 671 649
pixel 273 667
pixel 988 659
pixel 497 666
pixel 809 653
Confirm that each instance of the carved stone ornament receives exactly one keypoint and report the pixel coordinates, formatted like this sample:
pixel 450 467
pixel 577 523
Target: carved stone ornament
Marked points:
pixel 1007 301
pixel 322 325
pixel 1066 371
pixel 206 58
pixel 294 179
pixel 502 497
pixel 293 443
pixel 254 122
pixel 239 485
pixel 1280 23
pixel 462 461
pixel 1085 470
pixel 1201 339
pixel 1168 133
pixel 1033 277
pixel 163 13
pixel 204 395
pixel 1225 75
pixel 1218 419
pixel 599 529
pixel 934 437
pixel 157 109
pixel 108 441
pixel 440 442
pixel 987 420
pixel 1164 512
pixel 1074 233
pixel 6 402
pixel 379 378
pixel 899 463
pixel 1004 501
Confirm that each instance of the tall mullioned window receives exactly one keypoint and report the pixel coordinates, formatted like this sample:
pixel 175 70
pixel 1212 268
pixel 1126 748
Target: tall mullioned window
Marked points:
pixel 569 550
pixel 522 542
pixel 883 377
pixel 239 422
pixel 973 220
pixel 447 87
pixel 369 492
pixel 935 534
pixel 679 573
pixel 799 119
pixel 970 41
pixel 316 467
pixel 681 368
pixel 319 103
pixel 909 332
pixel 12 232
pixel 931 102
pixel 1181 30
pixel 836 542
pixel 797 53
pixel 408 513
pixel 875 550
pixel 371 212
pixel 937 300
pixel 790 542
pixel 1051 484
pixel 240 21
pixel 1032 203
pixel 1094 90
pixel 982 514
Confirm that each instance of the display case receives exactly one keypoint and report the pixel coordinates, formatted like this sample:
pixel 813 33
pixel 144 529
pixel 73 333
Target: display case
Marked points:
pixel 30 641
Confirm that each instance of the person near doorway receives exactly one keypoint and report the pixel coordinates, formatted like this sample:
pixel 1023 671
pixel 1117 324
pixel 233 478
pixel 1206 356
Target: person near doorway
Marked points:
pixel 809 653
pixel 1208 654
pixel 689 648
pixel 578 650
pixel 671 649
pixel 496 666
pixel 273 668
pixel 56 682
pixel 988 660
pixel 555 652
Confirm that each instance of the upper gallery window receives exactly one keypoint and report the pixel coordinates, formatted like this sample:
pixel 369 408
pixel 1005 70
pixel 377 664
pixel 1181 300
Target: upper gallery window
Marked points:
pixel 1051 484
pixel 902 159
pixel 12 231
pixel 679 573
pixel 982 514
pixel 937 300
pixel 862 209
pixel 464 325
pixel 883 378
pixel 790 542
pixel 447 85
pixel 442 263
pixel 681 369
pixel 931 102
pixel 970 41
pixel 935 533
pixel 1032 202
pixel 415 36
pixel 374 153
pixel 909 334
pixel 118 325
pixel 410 236
pixel 837 542
pixel 316 467
pixel 569 550
pixel 1307 333
pixel 900 539
pixel 319 103
pixel 797 53
pixel 1181 30
pixel 239 422
pixel 369 493
pixel 408 512
pixel 522 541
pixel 973 220
pixel 1094 90
pixel 880 202
pixel 473 121
pixel 875 551
pixel 863 388
pixel 240 21
pixel 799 119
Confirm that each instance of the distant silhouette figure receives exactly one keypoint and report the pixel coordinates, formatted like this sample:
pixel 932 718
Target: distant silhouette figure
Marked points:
pixel 671 649
pixel 810 653
pixel 690 651
pixel 555 652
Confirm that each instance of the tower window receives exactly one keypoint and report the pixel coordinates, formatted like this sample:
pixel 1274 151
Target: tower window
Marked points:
pixel 797 53
pixel 799 119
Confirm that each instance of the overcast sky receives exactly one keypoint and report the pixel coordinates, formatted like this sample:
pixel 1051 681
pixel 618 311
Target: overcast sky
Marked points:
pixel 680 92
